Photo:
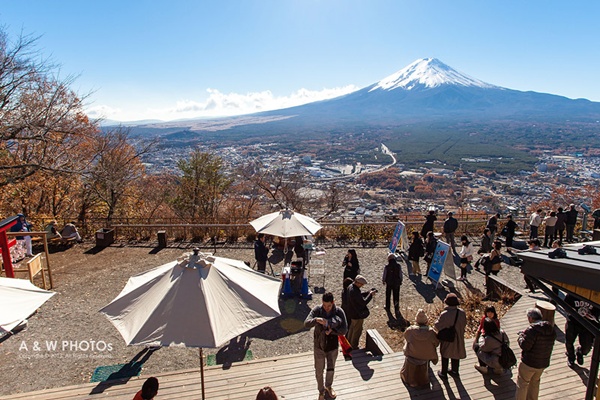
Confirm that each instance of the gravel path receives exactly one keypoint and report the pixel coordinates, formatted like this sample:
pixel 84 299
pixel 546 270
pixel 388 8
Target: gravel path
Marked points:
pixel 85 280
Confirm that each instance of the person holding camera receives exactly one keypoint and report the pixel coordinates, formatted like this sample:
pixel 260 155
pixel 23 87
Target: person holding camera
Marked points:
pixel 357 308
pixel 329 322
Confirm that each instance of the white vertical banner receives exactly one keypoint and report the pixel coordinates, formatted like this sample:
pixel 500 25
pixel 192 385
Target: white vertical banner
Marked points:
pixel 449 267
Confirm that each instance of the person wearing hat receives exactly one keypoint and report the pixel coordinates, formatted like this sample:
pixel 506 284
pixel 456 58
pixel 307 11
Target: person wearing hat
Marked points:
pixel 455 350
pixel 51 232
pixel 357 308
pixel 392 280
pixel 420 343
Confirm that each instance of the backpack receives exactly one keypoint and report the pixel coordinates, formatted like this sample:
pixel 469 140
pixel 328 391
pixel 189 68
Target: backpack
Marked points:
pixel 507 357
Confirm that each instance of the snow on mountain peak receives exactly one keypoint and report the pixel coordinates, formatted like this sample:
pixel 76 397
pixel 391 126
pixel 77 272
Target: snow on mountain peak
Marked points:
pixel 427 73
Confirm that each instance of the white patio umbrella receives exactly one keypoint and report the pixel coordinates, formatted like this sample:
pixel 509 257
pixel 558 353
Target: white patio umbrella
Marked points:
pixel 286 223
pixel 197 301
pixel 19 298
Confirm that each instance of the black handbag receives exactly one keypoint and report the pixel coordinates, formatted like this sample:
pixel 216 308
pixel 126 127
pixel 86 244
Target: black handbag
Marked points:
pixel 507 358
pixel 448 334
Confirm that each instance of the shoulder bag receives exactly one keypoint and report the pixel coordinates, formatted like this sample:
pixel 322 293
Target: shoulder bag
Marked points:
pixel 507 357
pixel 448 334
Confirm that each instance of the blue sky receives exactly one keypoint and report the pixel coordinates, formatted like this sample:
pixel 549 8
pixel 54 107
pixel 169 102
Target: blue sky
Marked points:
pixel 181 59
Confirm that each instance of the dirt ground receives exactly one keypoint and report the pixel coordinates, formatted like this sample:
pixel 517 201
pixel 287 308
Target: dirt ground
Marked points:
pixel 87 278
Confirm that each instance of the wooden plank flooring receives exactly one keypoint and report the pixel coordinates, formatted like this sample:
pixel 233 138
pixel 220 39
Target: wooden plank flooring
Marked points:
pixel 365 377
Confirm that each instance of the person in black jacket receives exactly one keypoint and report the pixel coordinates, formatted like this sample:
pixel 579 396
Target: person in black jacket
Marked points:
pixel 416 251
pixel 492 225
pixel 573 329
pixel 299 249
pixel 261 253
pixel 392 280
pixel 571 222
pixel 345 285
pixel 537 343
pixel 430 246
pixel 357 309
pixel 429 223
pixel 450 227
pixel 561 221
pixel 351 265
pixel 509 230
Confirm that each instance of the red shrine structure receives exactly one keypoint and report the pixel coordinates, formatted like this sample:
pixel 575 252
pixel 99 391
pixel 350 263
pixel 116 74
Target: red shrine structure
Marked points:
pixel 6 244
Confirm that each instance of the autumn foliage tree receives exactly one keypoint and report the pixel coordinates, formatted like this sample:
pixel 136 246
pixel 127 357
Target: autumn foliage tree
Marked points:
pixel 202 188
pixel 115 170
pixel 41 118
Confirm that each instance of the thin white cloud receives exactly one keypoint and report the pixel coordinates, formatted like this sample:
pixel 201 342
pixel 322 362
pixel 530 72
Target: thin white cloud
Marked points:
pixel 102 111
pixel 223 104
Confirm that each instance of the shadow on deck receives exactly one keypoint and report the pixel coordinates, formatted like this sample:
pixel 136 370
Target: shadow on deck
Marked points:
pixel 365 377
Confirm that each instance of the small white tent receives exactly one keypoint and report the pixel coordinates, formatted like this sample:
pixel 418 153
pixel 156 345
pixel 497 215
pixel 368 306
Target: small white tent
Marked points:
pixel 19 298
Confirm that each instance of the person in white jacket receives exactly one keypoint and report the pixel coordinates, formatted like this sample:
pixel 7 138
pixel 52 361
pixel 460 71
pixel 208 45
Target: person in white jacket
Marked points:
pixel 550 230
pixel 466 256
pixel 535 220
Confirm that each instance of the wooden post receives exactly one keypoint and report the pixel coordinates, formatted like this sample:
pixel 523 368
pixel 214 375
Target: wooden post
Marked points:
pixel 547 309
pixel 45 239
pixel 162 239
pixel 202 372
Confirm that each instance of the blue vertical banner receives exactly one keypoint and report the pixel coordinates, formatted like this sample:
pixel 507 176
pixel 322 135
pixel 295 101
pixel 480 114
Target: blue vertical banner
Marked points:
pixel 396 237
pixel 439 259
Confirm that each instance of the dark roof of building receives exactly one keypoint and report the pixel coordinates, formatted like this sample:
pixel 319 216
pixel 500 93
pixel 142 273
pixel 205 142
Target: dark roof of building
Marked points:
pixel 579 273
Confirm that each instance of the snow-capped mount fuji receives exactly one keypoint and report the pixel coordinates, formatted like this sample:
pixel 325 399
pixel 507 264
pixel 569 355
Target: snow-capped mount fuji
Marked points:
pixel 427 73
pixel 428 90
pixel 425 92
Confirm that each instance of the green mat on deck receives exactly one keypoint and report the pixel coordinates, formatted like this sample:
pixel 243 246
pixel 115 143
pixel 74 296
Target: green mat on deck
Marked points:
pixel 211 359
pixel 117 371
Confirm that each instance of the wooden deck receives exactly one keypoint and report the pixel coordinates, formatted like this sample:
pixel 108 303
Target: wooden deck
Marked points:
pixel 365 377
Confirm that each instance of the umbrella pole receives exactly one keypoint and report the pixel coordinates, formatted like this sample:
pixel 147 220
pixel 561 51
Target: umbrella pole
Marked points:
pixel 202 371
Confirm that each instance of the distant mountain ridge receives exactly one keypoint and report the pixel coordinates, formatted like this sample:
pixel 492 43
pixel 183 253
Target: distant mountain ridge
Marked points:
pixel 426 90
